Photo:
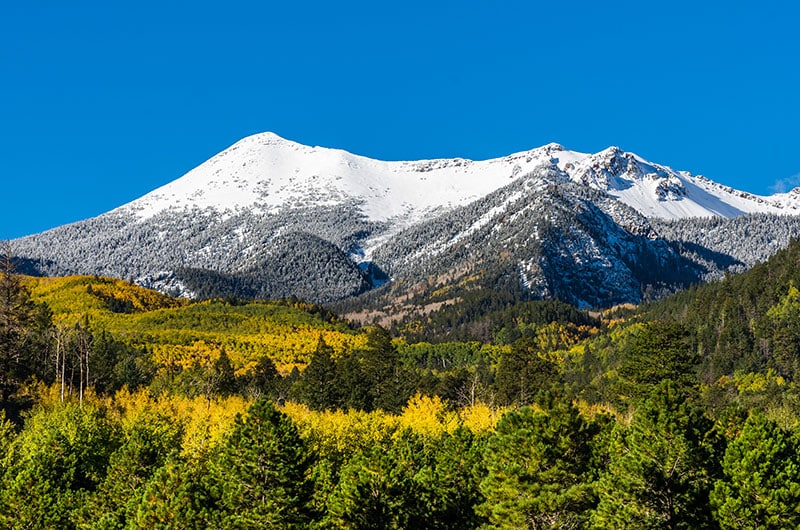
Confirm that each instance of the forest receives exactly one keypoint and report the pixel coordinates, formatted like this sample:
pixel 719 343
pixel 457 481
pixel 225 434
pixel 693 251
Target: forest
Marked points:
pixel 124 408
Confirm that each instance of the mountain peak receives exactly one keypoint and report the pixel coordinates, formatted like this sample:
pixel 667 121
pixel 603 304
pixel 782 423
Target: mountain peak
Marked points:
pixel 267 173
pixel 553 147
pixel 265 138
pixel 611 150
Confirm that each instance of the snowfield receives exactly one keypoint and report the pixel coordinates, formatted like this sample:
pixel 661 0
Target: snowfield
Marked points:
pixel 267 173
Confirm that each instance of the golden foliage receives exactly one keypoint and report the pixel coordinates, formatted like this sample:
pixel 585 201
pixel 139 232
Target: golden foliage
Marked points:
pixel 72 298
pixel 205 423
pixel 183 332
pixel 480 418
pixel 341 432
pixel 428 416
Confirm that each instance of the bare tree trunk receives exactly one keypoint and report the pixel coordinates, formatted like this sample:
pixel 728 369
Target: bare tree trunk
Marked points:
pixel 71 378
pixel 83 364
pixel 80 374
pixel 59 358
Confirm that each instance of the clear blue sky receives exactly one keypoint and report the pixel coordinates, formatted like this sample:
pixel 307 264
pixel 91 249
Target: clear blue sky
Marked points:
pixel 100 102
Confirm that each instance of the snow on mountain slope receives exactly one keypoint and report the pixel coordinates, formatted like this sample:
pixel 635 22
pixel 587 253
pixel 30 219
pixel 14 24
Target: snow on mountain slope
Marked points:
pixel 266 173
pixel 269 217
pixel 659 191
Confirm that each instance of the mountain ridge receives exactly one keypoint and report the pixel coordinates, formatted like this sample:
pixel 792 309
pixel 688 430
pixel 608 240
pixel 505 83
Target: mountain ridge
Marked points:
pixel 243 174
pixel 268 217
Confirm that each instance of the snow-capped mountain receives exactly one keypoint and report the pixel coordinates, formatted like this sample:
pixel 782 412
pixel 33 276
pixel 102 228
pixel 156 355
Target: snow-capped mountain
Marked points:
pixel 271 217
pixel 661 192
pixel 268 174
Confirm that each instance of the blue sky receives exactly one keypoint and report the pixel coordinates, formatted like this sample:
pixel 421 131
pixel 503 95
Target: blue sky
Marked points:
pixel 100 102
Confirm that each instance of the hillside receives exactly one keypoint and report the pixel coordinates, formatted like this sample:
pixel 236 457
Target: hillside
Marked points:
pixel 174 330
pixel 748 322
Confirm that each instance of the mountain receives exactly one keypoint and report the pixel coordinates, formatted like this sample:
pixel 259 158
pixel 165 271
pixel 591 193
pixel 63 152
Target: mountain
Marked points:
pixel 268 174
pixel 269 217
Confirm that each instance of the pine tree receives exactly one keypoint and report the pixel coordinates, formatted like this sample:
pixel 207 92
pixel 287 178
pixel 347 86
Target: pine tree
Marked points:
pixel 319 388
pixel 655 353
pixel 522 374
pixel 761 484
pixel 376 489
pixel 538 470
pixel 660 468
pixel 58 459
pixel 262 380
pixel 223 375
pixel 261 473
pixel 449 486
pixel 17 315
pixel 382 372
pixel 145 449
pixel 784 323
pixel 177 496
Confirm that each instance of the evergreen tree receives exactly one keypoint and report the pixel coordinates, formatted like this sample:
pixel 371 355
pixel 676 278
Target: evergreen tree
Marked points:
pixel 106 353
pixel 522 374
pixel 374 378
pixel 352 382
pixel 319 387
pixel 262 381
pixel 384 377
pixel 261 473
pixel 783 330
pixel 411 481
pixel 761 484
pixel 57 460
pixel 660 468
pixel 177 496
pixel 538 469
pixel 376 488
pixel 449 485
pixel 17 315
pixel 146 448
pixel 655 353
pixel 222 374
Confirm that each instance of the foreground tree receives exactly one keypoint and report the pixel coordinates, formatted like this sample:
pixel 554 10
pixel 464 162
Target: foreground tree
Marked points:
pixel 414 481
pixel 17 317
pixel 54 464
pixel 375 490
pixel 660 467
pixel 761 483
pixel 538 469
pixel 146 446
pixel 450 486
pixel 261 474
pixel 177 496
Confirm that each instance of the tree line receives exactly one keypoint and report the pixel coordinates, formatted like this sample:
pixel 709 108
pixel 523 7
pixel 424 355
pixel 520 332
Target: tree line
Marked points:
pixel 640 424
pixel 544 466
